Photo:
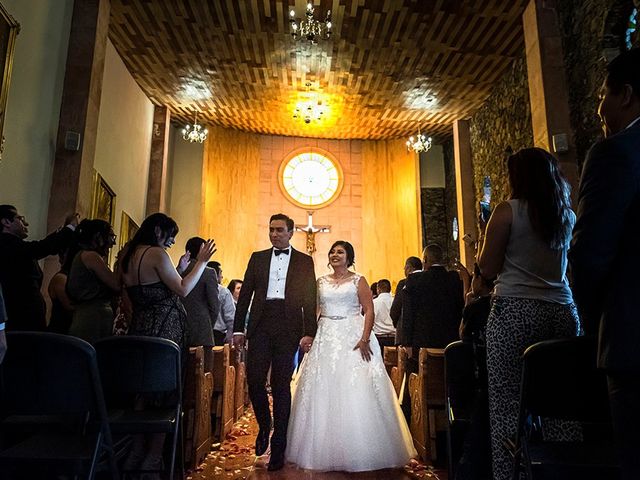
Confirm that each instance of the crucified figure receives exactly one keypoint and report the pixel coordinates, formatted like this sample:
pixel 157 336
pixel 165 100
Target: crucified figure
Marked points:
pixel 310 229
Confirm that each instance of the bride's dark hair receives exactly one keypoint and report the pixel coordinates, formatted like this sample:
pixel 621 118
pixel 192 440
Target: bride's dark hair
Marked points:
pixel 351 255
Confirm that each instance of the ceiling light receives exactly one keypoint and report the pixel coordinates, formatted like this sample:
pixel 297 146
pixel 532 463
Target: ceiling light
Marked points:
pixel 311 109
pixel 194 133
pixel 308 111
pixel 310 28
pixel 421 143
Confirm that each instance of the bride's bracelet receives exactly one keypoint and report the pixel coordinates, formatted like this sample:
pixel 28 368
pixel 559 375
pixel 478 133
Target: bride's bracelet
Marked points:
pixel 363 340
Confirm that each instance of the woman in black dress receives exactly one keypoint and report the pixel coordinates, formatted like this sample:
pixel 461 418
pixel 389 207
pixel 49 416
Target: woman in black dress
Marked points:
pixel 153 283
pixel 154 288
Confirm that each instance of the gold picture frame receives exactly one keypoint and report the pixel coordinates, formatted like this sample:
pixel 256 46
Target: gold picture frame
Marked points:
pixel 9 30
pixel 103 203
pixel 128 229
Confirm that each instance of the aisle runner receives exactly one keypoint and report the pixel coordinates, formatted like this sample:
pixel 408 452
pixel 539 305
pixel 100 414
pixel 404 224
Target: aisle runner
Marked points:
pixel 235 460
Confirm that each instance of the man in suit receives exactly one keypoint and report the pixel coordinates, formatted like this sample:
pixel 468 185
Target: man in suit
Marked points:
pixel 20 274
pixel 282 282
pixel 433 303
pixel 412 265
pixel 604 255
pixel 431 311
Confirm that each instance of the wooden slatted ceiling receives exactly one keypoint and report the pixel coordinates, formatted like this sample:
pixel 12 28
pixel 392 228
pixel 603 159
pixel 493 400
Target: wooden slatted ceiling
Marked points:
pixel 390 67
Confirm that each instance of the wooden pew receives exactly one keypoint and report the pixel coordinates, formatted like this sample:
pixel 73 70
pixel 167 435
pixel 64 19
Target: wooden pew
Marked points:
pixel 427 391
pixel 222 405
pixel 390 357
pixel 398 372
pixel 197 409
pixel 240 381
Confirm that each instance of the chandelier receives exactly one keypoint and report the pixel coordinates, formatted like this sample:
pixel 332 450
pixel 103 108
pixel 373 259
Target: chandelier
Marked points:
pixel 309 27
pixel 308 111
pixel 421 143
pixel 194 133
pixel 311 109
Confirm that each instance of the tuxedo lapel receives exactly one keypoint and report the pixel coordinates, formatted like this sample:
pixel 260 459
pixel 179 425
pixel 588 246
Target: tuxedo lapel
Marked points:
pixel 290 270
pixel 265 263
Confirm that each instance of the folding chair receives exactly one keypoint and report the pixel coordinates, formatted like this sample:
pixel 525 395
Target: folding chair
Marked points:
pixel 134 365
pixel 54 417
pixel 461 389
pixel 560 380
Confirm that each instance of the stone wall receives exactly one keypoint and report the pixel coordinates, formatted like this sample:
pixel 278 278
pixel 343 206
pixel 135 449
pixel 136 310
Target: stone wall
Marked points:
pixel 503 123
pixel 439 208
pixel 589 31
pixel 592 30
pixel 450 205
pixel 434 219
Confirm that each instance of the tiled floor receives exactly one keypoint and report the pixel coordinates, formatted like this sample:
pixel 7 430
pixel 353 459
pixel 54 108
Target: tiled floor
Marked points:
pixel 235 460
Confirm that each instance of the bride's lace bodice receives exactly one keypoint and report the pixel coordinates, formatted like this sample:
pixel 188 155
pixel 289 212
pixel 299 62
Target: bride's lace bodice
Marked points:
pixel 338 299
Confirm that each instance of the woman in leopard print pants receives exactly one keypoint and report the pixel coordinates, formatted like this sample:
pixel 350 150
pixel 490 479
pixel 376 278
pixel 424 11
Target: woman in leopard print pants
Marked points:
pixel 526 244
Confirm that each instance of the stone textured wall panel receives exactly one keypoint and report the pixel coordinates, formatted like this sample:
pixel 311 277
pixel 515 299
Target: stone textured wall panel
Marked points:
pixel 502 124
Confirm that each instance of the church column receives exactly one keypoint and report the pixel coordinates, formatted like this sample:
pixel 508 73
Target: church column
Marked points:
pixel 77 129
pixel 465 196
pixel 156 191
pixel 548 91
pixel 72 178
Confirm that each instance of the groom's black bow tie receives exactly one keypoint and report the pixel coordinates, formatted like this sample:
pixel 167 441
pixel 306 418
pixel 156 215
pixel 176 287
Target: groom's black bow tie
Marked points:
pixel 278 252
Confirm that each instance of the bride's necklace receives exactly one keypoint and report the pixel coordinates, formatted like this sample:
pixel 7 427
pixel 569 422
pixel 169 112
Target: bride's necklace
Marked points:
pixel 337 278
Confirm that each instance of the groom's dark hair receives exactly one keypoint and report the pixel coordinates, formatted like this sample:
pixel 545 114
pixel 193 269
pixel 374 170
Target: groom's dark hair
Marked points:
pixel 282 216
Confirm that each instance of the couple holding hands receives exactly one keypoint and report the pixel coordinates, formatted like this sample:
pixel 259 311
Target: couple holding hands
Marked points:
pixel 341 413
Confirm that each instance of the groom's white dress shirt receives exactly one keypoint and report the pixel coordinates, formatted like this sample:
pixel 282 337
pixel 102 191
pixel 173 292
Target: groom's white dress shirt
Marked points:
pixel 278 274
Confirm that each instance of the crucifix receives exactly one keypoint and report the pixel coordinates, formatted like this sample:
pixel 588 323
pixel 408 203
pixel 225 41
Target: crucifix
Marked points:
pixel 310 229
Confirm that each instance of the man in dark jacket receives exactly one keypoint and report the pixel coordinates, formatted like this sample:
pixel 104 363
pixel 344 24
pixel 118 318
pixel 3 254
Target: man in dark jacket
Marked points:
pixel 431 311
pixel 20 274
pixel 432 305
pixel 412 265
pixel 604 255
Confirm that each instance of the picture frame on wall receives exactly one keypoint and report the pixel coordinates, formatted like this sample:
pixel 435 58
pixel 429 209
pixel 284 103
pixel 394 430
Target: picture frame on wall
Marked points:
pixel 128 229
pixel 9 29
pixel 103 203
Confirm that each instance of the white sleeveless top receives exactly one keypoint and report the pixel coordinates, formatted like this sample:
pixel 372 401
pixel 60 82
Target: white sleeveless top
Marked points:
pixel 532 269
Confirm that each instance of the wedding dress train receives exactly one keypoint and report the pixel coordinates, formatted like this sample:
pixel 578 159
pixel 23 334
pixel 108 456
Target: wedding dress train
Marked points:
pixel 345 415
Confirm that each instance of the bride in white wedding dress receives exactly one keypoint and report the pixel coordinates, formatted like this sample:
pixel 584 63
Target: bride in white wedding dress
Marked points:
pixel 344 413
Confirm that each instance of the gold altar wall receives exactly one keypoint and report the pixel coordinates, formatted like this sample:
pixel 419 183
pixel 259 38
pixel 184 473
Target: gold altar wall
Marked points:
pixel 230 185
pixel 391 220
pixel 377 211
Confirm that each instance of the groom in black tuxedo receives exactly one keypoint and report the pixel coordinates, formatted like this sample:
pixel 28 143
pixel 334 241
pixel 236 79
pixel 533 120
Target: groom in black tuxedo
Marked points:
pixel 282 282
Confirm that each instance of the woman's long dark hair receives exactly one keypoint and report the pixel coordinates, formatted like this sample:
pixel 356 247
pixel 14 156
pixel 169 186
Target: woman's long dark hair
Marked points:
pixel 535 178
pixel 146 235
